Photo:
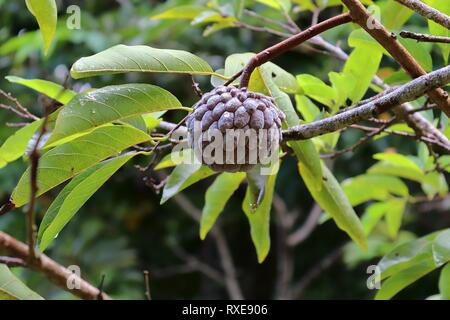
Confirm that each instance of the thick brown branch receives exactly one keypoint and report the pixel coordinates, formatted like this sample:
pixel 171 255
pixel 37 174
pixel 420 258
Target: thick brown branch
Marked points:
pixel 420 37
pixel 283 46
pixel 51 269
pixel 427 11
pixel 405 93
pixel 361 16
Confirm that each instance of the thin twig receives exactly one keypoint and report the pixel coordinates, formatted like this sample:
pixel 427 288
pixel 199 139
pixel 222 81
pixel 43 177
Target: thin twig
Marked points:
pixel 34 164
pixel 147 293
pixel 298 290
pixel 12 262
pixel 231 281
pixel 362 140
pixel 21 110
pixel 268 20
pixel 305 230
pixel 196 87
pixel 421 37
pixel 244 25
pixel 100 287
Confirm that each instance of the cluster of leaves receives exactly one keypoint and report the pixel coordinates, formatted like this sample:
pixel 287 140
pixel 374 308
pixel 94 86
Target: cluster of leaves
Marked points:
pixel 93 131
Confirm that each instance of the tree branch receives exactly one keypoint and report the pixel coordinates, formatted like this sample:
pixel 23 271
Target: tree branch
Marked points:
pixel 283 46
pixel 51 269
pixel 361 16
pixel 405 93
pixel 427 11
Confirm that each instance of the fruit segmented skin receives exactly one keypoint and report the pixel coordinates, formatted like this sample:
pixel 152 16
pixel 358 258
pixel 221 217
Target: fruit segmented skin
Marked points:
pixel 245 113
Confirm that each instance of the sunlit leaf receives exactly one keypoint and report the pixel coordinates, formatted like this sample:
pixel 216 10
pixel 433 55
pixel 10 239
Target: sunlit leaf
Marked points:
pixel 362 65
pixel 180 12
pixel 394 215
pixel 317 89
pixel 45 12
pixel 15 146
pixel 367 187
pixel 50 89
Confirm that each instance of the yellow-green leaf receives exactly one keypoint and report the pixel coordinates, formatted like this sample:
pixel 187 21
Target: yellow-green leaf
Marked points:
pixel 259 219
pixel 74 196
pixel 67 160
pixel 216 197
pixel 11 288
pixel 45 12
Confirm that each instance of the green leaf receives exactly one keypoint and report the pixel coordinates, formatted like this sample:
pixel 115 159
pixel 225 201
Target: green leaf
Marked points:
pixel 175 158
pixel 216 197
pixel 441 248
pixel 67 160
pixel 401 280
pixel 407 255
pixel 216 27
pixel 396 164
pixel 434 183
pixel 394 215
pixel 343 85
pixel 394 15
pixel 95 108
pixel 304 150
pixel 372 215
pixel 439 30
pixel 333 200
pixel 50 89
pixel 11 288
pixel 362 65
pixel 284 5
pixel 444 282
pixel 45 12
pixel 183 176
pixel 15 146
pixel 420 51
pixel 360 38
pixel 317 89
pixel 366 187
pixel 121 59
pixel 307 108
pixel 259 219
pixel 74 196
pixel 180 12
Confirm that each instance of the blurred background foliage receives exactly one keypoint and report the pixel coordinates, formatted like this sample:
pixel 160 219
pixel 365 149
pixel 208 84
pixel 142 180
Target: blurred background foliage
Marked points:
pixel 123 230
